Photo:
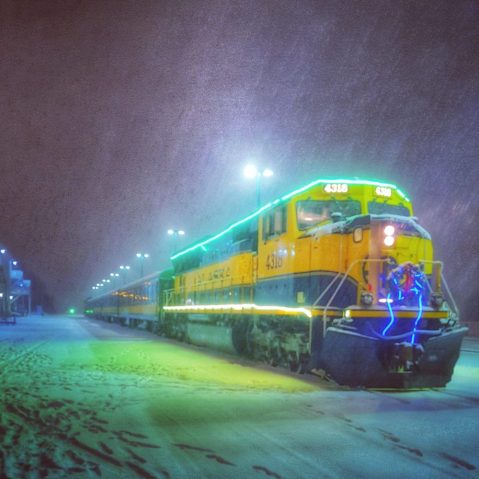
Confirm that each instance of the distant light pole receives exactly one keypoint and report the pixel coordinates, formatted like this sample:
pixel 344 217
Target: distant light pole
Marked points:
pixel 142 257
pixel 175 234
pixel 252 172
pixel 124 271
pixel 114 276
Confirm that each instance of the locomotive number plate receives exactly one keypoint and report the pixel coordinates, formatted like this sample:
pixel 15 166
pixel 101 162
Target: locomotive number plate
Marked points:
pixel 336 188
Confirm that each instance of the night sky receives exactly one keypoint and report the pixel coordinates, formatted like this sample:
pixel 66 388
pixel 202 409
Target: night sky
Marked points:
pixel 121 119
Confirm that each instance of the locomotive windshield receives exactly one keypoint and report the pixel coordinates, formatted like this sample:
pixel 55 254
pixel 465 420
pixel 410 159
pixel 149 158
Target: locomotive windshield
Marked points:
pixel 313 212
pixel 376 208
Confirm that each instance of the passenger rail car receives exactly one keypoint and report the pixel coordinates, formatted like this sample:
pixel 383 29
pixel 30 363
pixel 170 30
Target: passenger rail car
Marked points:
pixel 337 277
pixel 135 304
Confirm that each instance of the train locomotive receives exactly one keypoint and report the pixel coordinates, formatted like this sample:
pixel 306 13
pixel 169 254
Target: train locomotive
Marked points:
pixel 336 278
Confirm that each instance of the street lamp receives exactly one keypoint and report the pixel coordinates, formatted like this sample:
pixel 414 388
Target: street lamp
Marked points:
pixel 114 277
pixel 252 172
pixel 176 234
pixel 142 257
pixel 124 271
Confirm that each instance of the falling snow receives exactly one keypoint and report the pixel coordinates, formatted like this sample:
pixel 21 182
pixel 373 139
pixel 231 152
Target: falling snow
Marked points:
pixel 123 119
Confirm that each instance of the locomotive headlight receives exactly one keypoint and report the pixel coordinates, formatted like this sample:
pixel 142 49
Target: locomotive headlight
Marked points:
pixel 389 230
pixel 389 240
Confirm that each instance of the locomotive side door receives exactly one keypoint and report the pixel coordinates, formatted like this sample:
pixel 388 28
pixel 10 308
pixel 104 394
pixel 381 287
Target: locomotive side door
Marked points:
pixel 274 280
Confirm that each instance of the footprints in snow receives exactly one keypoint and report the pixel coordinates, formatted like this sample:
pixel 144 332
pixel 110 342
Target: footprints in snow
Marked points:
pixel 210 454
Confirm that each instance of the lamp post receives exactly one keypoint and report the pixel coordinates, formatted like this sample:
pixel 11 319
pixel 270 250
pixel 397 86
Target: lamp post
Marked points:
pixel 175 234
pixel 114 277
pixel 142 257
pixel 252 172
pixel 124 272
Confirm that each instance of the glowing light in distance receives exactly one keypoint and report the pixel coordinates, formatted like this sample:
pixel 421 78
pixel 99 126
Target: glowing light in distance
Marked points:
pixel 389 230
pixel 250 171
pixel 385 300
pixel 389 240
pixel 3 251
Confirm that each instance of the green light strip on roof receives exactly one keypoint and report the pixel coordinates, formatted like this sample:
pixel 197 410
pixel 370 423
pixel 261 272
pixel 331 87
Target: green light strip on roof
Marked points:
pixel 283 198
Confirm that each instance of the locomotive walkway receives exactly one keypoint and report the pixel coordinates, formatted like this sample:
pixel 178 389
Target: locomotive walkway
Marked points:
pixel 82 398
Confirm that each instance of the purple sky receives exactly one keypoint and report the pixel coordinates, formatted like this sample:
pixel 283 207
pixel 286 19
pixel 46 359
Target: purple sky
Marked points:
pixel 121 119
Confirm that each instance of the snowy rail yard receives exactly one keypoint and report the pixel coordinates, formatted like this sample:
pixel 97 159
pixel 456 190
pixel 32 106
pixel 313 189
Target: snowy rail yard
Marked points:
pixel 84 398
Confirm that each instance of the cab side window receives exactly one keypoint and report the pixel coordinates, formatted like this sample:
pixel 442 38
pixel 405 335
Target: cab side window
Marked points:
pixel 275 222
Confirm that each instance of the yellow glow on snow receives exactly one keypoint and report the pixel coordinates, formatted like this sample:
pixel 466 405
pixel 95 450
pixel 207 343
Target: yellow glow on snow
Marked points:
pixel 174 361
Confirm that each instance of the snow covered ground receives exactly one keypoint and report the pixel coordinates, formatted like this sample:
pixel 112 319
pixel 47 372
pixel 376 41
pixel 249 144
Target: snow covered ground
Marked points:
pixel 83 398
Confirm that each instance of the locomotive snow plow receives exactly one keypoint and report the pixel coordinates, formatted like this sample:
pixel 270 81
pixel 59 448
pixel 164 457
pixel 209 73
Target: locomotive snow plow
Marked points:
pixel 407 337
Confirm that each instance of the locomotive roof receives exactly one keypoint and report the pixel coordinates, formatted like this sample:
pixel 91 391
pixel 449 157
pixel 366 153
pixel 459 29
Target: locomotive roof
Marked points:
pixel 137 282
pixel 355 181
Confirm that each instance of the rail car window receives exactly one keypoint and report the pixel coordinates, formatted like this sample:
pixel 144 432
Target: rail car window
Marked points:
pixel 313 212
pixel 274 222
pixel 376 208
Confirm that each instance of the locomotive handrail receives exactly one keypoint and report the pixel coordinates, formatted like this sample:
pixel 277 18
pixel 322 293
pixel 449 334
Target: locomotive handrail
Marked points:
pixel 371 260
pixel 444 282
